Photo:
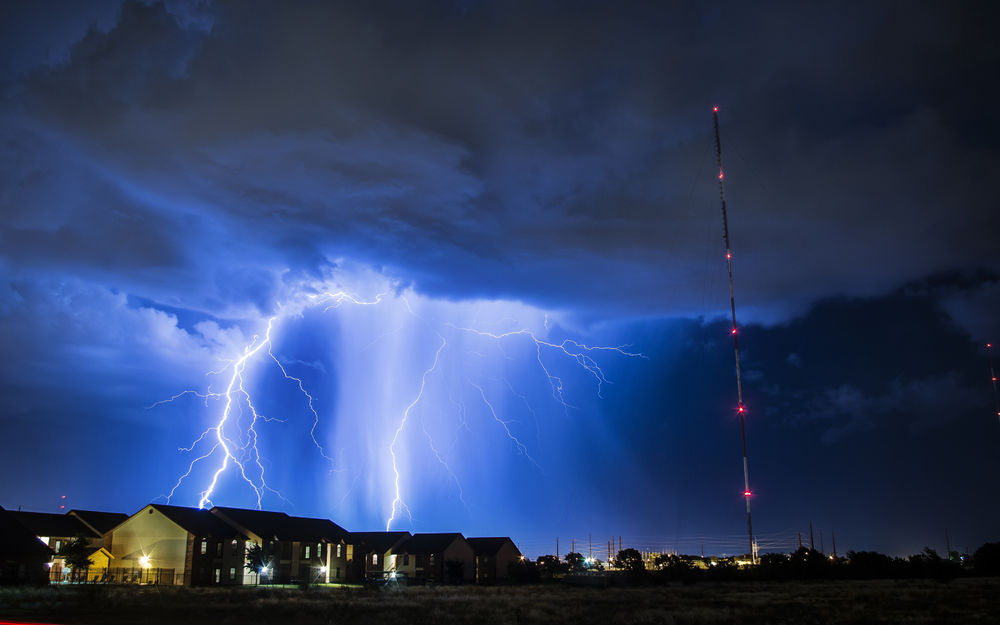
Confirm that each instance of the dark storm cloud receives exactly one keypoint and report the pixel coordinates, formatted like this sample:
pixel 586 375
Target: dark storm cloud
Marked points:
pixel 177 170
pixel 508 150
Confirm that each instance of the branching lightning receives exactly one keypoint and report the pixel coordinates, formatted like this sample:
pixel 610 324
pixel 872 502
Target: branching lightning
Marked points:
pixel 230 442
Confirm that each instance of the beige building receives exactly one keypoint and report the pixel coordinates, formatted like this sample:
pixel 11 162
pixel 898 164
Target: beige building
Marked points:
pixel 173 545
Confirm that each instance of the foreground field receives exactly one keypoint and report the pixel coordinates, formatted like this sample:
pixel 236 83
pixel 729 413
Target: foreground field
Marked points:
pixel 882 601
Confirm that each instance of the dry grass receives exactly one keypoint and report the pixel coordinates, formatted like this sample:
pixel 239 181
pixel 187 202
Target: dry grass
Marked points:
pixel 884 601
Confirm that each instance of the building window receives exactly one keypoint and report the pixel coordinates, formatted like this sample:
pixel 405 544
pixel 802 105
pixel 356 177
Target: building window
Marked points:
pixel 58 545
pixel 338 550
pixel 218 548
pixel 338 573
pixel 319 550
pixel 406 559
pixel 236 545
pixel 374 559
pixel 432 560
pixel 307 552
pixel 204 546
pixel 218 575
pixel 232 573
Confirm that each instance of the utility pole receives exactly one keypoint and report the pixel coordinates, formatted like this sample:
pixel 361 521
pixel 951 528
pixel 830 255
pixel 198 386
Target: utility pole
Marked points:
pixel 800 540
pixel 833 535
pixel 812 543
pixel 557 547
pixel 822 549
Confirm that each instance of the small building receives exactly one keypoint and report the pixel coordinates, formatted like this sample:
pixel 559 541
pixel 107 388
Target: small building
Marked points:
pixel 23 558
pixel 297 549
pixel 493 557
pixel 370 554
pixel 56 531
pixel 435 558
pixel 174 545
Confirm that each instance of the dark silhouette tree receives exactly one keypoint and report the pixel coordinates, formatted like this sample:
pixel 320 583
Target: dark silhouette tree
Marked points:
pixel 575 562
pixel 76 554
pixel 549 566
pixel 256 560
pixel 986 559
pixel 630 561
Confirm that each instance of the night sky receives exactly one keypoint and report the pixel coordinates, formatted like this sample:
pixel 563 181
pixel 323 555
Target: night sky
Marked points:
pixel 490 187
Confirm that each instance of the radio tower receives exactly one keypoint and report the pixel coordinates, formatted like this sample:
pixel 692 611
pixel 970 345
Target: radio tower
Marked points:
pixel 993 375
pixel 741 409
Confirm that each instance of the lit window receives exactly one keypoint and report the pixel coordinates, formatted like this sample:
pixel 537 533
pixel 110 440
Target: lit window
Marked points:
pixel 307 552
pixel 374 559
pixel 338 550
pixel 232 573
pixel 58 545
pixel 319 550
pixel 218 575
pixel 204 546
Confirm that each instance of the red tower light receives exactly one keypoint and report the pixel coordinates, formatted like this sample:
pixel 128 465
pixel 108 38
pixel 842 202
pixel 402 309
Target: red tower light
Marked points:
pixel 729 256
pixel 733 332
pixel 720 174
pixel 746 493
pixel 715 109
pixel 740 410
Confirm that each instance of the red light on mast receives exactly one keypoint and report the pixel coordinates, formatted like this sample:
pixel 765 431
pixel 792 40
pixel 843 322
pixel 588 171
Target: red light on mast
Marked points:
pixel 720 174
pixel 715 109
pixel 740 410
pixel 746 493
pixel 729 256
pixel 733 332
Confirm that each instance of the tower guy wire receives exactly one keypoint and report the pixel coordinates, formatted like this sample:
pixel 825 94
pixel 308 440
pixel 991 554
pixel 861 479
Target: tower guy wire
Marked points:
pixel 741 409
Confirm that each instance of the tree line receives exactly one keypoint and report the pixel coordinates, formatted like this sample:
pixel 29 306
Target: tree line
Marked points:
pixel 804 563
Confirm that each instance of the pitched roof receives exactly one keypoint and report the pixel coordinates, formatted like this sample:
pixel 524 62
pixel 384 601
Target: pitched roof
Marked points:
pixel 52 524
pixel 197 521
pixel 15 539
pixel 489 546
pixel 101 522
pixel 317 529
pixel 428 543
pixel 269 525
pixel 376 542
pixel 280 526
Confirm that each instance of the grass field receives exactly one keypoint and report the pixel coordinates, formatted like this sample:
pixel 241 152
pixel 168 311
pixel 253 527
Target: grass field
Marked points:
pixel 883 601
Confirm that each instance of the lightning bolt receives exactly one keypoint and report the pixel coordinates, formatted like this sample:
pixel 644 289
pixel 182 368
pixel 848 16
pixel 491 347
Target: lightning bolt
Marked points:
pixel 581 355
pixel 397 502
pixel 241 451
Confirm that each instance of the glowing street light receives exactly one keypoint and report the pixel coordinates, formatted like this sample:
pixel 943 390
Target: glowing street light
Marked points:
pixel 144 562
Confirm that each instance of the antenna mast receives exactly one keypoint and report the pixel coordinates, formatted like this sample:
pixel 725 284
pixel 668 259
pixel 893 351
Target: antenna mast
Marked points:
pixel 993 375
pixel 736 344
